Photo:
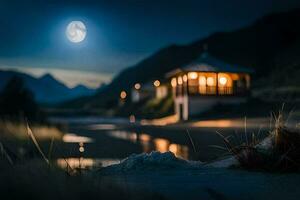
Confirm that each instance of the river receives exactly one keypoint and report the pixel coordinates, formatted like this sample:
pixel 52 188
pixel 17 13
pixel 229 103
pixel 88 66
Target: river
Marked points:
pixel 95 142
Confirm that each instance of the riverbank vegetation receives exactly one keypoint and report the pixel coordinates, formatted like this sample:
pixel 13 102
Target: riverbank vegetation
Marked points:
pixel 149 108
pixel 278 152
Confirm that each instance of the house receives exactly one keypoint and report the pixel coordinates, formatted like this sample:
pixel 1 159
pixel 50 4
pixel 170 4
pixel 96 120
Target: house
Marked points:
pixel 205 82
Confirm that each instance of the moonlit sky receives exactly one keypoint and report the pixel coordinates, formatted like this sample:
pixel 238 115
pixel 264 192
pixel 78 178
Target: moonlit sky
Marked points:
pixel 119 33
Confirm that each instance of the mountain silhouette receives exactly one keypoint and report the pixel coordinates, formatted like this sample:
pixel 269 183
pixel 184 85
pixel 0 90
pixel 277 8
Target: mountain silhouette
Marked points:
pixel 46 89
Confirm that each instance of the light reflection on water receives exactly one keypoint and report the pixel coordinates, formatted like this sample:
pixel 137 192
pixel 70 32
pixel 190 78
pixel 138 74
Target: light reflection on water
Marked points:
pixel 73 138
pixel 231 123
pixel 140 141
pixel 124 135
pixel 151 144
pixel 85 163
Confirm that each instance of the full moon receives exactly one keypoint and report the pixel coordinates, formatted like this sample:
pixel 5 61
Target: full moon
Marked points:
pixel 76 31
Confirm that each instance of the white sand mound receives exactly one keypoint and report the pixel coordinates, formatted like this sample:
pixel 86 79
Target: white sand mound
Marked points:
pixel 153 161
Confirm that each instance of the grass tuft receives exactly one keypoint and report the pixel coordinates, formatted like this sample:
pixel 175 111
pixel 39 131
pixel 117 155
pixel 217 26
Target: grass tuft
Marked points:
pixel 279 151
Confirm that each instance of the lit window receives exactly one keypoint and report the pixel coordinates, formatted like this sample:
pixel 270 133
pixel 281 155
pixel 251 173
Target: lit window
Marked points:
pixel 185 78
pixel 193 75
pixel 173 82
pixel 210 81
pixel 222 81
pixel 202 81
pixel 179 80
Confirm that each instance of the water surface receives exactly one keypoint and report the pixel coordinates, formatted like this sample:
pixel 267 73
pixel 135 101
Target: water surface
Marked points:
pixel 96 142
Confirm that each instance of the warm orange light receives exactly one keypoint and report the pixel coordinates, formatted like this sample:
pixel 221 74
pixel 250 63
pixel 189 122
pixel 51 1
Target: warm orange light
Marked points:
pixel 173 82
pixel 223 80
pixel 123 95
pixel 193 75
pixel 173 148
pixel 210 81
pixel 185 78
pixel 156 83
pixel 144 137
pixel 235 76
pixel 137 86
pixel 202 81
pixel 179 80
pixel 161 145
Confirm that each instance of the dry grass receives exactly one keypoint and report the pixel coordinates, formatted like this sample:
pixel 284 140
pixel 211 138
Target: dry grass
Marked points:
pixel 19 130
pixel 280 151
pixel 37 178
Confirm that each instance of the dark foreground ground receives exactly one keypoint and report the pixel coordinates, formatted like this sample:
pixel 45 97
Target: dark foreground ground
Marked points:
pixel 35 180
pixel 32 178
pixel 212 184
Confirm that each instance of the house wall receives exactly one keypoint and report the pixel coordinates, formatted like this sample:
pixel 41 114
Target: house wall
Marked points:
pixel 181 107
pixel 161 92
pixel 187 106
pixel 198 105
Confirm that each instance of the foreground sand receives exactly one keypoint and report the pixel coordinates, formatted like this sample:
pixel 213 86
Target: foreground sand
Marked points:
pixel 174 178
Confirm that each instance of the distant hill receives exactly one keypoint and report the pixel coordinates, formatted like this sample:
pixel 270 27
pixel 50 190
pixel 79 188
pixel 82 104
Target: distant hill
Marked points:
pixel 271 43
pixel 46 89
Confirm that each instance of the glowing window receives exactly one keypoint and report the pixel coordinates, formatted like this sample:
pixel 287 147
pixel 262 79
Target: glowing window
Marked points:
pixel 173 82
pixel 222 81
pixel 202 81
pixel 193 75
pixel 210 81
pixel 185 78
pixel 179 80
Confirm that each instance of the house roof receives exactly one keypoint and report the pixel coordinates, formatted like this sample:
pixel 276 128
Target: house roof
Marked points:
pixel 207 63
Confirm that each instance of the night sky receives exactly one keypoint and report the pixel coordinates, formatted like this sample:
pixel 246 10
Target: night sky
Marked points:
pixel 119 33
